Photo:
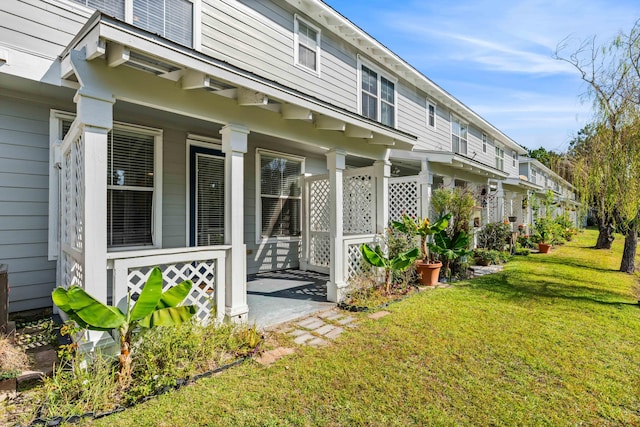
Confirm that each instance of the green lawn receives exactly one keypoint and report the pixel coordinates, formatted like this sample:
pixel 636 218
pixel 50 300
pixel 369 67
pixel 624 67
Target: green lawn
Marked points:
pixel 552 340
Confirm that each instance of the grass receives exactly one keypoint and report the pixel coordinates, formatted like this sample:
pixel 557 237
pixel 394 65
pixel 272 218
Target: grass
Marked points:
pixel 551 340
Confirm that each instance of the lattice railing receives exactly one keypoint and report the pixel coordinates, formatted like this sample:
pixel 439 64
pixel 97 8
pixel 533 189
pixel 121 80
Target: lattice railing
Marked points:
pixel 359 202
pixel 320 250
pixel 205 267
pixel 354 263
pixel 404 197
pixel 492 208
pixel 319 205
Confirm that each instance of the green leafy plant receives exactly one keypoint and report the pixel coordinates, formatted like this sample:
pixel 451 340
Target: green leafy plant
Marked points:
pixel 450 248
pixel 423 228
pixel 545 231
pixel 400 262
pixel 153 308
pixel 495 235
pixel 490 256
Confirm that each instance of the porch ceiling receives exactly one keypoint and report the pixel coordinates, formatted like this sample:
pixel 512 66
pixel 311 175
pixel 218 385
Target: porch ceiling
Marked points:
pixel 191 83
pixel 453 160
pixel 523 184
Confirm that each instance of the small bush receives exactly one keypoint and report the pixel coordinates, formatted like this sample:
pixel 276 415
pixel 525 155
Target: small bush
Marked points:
pixel 494 236
pixel 522 251
pixel 490 256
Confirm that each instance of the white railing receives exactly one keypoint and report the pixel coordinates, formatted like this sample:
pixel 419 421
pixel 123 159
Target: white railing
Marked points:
pixel 204 266
pixel 352 255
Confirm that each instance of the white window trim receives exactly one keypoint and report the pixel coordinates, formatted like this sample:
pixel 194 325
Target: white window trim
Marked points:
pixel 499 154
pixel 55 158
pixel 197 141
pixel 435 114
pixel 258 222
pixel 296 45
pixel 362 61
pixel 128 17
pixel 453 118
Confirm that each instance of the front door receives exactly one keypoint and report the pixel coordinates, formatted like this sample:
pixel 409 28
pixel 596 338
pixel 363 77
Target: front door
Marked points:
pixel 207 196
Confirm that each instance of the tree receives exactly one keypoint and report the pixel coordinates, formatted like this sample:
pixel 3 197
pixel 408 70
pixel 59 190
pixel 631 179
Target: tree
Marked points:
pixel 608 159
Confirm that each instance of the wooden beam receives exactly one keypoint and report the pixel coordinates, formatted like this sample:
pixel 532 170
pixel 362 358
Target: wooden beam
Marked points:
pixel 117 54
pixel 194 80
pixel 174 76
pixel 329 123
pixel 294 112
pixel 227 93
pixel 248 97
pixel 382 140
pixel 94 50
pixel 357 132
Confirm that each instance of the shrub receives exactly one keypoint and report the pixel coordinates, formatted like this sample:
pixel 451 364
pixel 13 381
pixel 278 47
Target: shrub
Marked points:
pixel 494 236
pixel 490 256
pixel 522 251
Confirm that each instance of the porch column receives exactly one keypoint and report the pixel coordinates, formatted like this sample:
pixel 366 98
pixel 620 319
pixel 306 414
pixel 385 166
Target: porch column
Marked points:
pixel 383 173
pixel 336 285
pixel 487 209
pixel 95 118
pixel 500 196
pixel 234 146
pixel 425 182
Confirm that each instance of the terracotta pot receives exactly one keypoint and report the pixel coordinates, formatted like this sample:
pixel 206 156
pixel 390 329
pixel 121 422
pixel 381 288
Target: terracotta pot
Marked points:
pixel 544 248
pixel 429 272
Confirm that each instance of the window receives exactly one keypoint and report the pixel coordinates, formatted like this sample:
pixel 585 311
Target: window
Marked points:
pixel 280 199
pixel 134 217
pixel 534 175
pixel 458 136
pixel 378 96
pixel 172 19
pixel 499 158
pixel 484 142
pixel 431 115
pixel 306 45
pixel 514 157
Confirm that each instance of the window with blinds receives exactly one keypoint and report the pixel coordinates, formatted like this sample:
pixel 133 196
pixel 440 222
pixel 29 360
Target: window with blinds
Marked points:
pixel 307 45
pixel 172 19
pixel 209 203
pixel 458 136
pixel 378 96
pixel 130 188
pixel 280 195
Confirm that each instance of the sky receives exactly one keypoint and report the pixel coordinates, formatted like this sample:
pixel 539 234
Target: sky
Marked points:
pixel 497 56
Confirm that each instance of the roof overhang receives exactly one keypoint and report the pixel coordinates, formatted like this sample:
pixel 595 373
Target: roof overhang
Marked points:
pixel 523 183
pixel 122 44
pixel 454 160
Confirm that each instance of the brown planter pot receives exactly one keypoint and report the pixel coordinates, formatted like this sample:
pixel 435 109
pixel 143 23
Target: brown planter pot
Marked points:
pixel 544 248
pixel 429 272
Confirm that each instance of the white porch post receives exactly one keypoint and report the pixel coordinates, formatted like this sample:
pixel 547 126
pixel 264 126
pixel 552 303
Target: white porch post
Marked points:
pixel 487 209
pixel 383 173
pixel 336 285
pixel 425 182
pixel 500 196
pixel 234 145
pixel 95 117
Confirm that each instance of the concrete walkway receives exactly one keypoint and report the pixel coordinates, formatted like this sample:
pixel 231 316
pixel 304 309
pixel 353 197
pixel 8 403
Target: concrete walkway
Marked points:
pixel 282 296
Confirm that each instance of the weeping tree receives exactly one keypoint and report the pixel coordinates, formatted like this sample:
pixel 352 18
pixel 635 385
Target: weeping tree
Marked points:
pixel 608 161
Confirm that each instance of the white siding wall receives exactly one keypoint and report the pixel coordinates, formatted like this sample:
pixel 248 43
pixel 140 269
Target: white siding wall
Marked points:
pixel 24 183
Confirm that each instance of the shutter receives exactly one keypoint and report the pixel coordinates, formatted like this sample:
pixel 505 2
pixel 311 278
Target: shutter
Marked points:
pixel 209 200
pixel 130 185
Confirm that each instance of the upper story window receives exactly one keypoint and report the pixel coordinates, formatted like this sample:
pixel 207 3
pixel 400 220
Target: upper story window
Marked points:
pixel 458 136
pixel 378 96
pixel 514 159
pixel 306 45
pixel 484 142
pixel 171 19
pixel 499 158
pixel 279 204
pixel 534 175
pixel 431 115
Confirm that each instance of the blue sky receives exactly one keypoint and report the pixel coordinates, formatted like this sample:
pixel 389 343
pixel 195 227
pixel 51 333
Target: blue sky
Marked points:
pixel 496 56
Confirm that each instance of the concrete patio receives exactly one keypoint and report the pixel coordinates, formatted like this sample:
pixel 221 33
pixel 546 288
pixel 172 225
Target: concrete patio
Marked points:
pixel 281 296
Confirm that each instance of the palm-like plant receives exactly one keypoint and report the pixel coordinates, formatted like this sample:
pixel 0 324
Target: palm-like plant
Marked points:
pixel 423 228
pixel 153 308
pixel 377 258
pixel 450 248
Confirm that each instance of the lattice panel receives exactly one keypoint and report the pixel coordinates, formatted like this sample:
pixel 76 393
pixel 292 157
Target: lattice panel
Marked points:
pixel 319 205
pixel 492 205
pixel 403 198
pixel 320 250
pixel 354 261
pixel 358 204
pixel 72 272
pixel 77 187
pixel 67 198
pixel 201 273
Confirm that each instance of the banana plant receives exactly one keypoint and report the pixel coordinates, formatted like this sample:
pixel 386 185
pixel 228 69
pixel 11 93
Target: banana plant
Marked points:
pixel 422 227
pixel 152 308
pixel 400 262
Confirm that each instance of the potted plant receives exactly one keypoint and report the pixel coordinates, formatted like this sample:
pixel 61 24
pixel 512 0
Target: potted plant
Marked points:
pixel 428 268
pixel 450 248
pixel 543 234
